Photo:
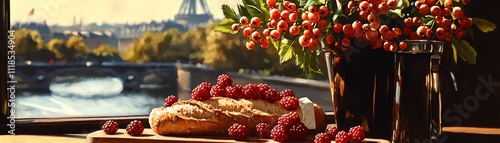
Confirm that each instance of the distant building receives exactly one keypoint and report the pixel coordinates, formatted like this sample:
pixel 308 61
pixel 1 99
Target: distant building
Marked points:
pixel 92 39
pixel 128 33
pixel 42 28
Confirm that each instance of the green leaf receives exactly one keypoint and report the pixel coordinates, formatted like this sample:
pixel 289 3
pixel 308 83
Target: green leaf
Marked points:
pixel 342 18
pixel 314 63
pixel 312 2
pixel 464 50
pixel 285 53
pixel 307 62
pixel 225 26
pixel 243 11
pixel 404 3
pixel 281 7
pixel 302 3
pixel 229 12
pixel 299 54
pixel 338 9
pixel 263 8
pixel 276 44
pixel 428 20
pixel 255 12
pixel 396 12
pixel 484 25
pixel 249 2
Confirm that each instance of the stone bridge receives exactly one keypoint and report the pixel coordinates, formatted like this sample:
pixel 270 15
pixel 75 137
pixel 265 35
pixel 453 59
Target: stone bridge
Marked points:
pixel 38 76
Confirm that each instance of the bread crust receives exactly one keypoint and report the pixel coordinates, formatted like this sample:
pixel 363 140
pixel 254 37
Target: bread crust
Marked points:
pixel 216 115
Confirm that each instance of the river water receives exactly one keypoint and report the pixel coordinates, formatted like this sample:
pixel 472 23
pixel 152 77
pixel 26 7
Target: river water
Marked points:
pixel 77 97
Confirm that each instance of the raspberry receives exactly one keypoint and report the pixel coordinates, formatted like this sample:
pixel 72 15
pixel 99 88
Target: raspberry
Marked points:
pixel 217 90
pixel 285 93
pixel 271 95
pixel 234 91
pixel 357 133
pixel 322 138
pixel 289 119
pixel 201 92
pixel 262 88
pixel 170 100
pixel 238 132
pixel 110 127
pixel 290 103
pixel 279 133
pixel 251 91
pixel 263 130
pixel 298 132
pixel 135 128
pixel 342 137
pixel 332 132
pixel 224 80
pixel 206 85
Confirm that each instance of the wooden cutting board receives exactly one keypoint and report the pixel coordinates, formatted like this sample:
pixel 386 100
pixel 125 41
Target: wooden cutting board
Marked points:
pixel 149 136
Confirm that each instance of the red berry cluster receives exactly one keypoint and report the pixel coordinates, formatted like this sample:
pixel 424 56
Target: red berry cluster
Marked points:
pixel 250 32
pixel 238 132
pixel 135 128
pixel 356 135
pixel 449 21
pixel 322 138
pixel 289 128
pixel 110 127
pixel 263 130
pixel 368 26
pixel 170 100
pixel 286 20
pixel 202 91
pixel 225 88
pixel 314 22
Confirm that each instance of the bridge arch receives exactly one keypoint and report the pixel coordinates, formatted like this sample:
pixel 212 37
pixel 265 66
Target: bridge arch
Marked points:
pixel 93 72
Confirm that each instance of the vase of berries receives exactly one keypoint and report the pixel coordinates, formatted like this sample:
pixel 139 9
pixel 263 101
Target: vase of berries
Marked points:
pixel 359 39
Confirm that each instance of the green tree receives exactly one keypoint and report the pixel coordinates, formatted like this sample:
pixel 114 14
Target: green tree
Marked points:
pixel 228 52
pixel 77 49
pixel 30 46
pixel 167 46
pixel 58 47
pixel 27 44
pixel 106 53
pixel 144 49
pixel 71 50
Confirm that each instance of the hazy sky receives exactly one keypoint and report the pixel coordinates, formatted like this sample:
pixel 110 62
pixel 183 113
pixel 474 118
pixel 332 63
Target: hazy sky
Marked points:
pixel 110 11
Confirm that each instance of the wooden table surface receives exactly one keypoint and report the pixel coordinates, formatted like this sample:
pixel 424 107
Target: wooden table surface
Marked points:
pixel 456 134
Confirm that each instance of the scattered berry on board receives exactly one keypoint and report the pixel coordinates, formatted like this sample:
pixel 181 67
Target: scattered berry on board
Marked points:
pixel 135 128
pixel 110 127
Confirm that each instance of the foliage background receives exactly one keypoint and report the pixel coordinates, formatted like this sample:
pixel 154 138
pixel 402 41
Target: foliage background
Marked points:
pixel 202 45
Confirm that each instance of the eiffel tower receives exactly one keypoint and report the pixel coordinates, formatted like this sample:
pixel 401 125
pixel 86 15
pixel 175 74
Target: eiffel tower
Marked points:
pixel 188 12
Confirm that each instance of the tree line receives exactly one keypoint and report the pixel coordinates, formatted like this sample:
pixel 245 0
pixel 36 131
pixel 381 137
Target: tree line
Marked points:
pixel 203 45
pixel 29 46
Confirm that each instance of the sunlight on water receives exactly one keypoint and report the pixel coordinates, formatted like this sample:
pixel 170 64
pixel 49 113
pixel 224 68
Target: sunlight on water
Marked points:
pixel 50 105
pixel 87 87
pixel 77 96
